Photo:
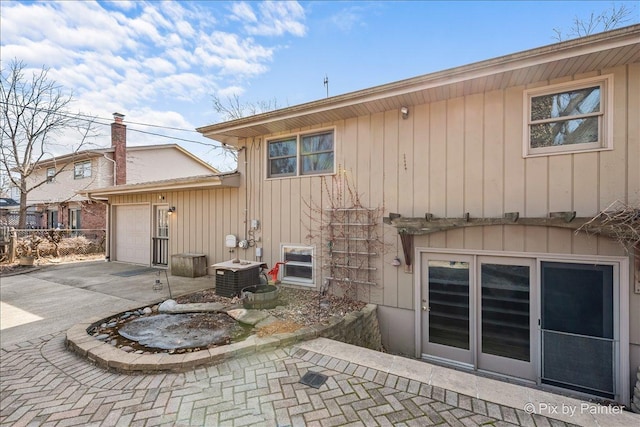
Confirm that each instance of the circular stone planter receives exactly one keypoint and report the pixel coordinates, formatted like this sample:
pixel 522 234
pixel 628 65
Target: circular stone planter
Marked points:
pixel 260 297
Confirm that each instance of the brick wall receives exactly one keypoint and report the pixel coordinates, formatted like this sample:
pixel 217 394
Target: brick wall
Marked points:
pixel 119 143
pixel 93 216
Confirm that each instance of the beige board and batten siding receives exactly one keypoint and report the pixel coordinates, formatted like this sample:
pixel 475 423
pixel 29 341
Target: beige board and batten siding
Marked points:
pixel 451 157
pixel 448 157
pixel 455 156
pixel 202 219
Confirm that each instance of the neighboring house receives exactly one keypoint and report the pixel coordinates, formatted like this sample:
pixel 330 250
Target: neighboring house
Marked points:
pixel 516 146
pixel 58 201
pixel 8 211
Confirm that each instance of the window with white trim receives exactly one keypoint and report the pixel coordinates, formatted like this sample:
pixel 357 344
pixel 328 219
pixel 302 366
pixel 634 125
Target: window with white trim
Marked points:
pixel 303 154
pixel 299 264
pixel 569 117
pixel 82 170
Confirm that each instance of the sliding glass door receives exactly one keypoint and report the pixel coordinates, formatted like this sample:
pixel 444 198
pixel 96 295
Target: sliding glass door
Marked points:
pixel 447 309
pixel 548 322
pixel 507 321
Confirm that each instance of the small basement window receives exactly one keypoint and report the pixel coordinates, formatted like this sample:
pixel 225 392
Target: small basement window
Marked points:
pixel 569 117
pixel 299 267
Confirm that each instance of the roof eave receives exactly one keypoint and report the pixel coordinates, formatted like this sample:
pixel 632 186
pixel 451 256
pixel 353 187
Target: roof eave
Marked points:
pixel 228 132
pixel 230 180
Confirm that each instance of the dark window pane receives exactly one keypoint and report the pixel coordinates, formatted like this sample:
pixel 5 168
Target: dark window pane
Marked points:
pixel 297 254
pixel 568 132
pixel 315 143
pixel 283 166
pixel 449 303
pixel 505 311
pixel 282 148
pixel 583 101
pixel 300 271
pixel 317 163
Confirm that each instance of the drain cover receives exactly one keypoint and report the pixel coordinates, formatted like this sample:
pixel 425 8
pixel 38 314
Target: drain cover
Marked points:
pixel 313 379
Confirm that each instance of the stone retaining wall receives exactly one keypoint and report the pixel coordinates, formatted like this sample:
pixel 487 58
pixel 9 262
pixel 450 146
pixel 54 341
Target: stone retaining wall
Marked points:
pixel 635 399
pixel 360 328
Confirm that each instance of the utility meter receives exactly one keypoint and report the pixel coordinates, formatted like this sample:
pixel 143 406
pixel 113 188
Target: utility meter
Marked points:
pixel 244 244
pixel 231 241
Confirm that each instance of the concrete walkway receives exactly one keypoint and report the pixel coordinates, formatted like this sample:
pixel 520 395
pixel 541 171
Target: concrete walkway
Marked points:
pixel 41 383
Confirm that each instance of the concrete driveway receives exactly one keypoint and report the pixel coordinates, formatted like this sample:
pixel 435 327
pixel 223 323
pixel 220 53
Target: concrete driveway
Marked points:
pixel 54 298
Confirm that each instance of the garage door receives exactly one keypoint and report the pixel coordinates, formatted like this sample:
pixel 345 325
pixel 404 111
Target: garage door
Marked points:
pixel 133 234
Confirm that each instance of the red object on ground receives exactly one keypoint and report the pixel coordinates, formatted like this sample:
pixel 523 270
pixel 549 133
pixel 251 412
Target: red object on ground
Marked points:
pixel 273 273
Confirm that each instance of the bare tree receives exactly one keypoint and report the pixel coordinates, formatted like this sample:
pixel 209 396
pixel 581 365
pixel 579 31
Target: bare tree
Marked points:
pixel 32 112
pixel 232 108
pixel 609 19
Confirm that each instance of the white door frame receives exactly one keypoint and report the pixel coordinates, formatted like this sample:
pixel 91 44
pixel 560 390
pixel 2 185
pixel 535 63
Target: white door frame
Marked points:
pixel 622 320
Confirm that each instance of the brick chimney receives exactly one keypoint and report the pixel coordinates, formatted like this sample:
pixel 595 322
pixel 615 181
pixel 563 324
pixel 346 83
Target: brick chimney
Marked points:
pixel 119 143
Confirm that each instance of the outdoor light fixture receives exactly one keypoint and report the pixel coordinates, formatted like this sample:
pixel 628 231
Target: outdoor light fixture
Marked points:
pixel 405 112
pixel 172 209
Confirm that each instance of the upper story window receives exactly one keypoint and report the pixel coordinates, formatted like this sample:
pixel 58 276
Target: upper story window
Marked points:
pixel 51 174
pixel 304 154
pixel 569 117
pixel 82 169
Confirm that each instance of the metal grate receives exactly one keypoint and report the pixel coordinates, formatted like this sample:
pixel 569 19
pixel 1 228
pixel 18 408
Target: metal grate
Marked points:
pixel 313 379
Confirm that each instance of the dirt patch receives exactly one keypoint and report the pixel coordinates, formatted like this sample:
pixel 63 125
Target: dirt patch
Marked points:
pixel 279 327
pixel 296 306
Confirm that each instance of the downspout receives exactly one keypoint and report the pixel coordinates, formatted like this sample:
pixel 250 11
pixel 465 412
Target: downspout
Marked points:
pixel 112 161
pixel 115 166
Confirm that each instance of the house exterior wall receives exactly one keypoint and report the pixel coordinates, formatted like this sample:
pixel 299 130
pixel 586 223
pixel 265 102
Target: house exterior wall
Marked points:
pixel 144 165
pixel 447 158
pixel 64 187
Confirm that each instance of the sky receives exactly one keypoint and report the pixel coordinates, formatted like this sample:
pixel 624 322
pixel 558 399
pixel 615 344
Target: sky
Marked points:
pixel 161 63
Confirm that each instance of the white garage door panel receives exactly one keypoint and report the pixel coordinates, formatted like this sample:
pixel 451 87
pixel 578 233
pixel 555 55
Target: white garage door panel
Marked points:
pixel 133 234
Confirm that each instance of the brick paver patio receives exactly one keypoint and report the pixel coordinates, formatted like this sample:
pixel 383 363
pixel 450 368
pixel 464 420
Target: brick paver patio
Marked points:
pixel 43 384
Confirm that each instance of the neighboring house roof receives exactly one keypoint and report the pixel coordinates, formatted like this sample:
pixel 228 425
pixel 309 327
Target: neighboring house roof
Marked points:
pixel 223 180
pixel 6 203
pixel 577 56
pixel 99 152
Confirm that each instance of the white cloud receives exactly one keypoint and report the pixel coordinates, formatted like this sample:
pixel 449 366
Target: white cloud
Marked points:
pixel 243 12
pixel 278 18
pixel 230 92
pixel 159 66
pixel 141 58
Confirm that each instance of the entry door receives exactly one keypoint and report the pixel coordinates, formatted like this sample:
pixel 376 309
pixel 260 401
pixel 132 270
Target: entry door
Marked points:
pixel 447 308
pixel 507 324
pixel 161 236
